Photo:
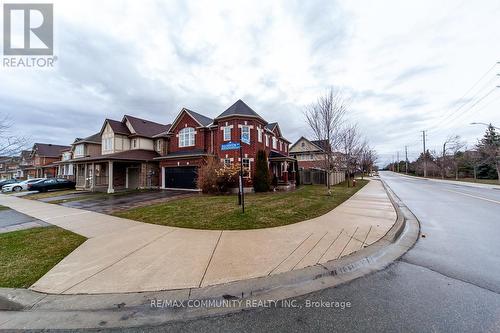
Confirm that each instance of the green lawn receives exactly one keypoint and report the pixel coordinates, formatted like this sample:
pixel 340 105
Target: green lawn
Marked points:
pixel 3 207
pixel 43 195
pixel 262 210
pixel 26 255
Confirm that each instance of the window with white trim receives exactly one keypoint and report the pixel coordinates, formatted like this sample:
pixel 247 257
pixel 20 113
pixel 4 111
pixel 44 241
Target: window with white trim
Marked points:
pixel 246 167
pixel 134 143
pixel 259 134
pixel 267 140
pixel 186 137
pixel 245 131
pixel 227 133
pixel 227 161
pixel 79 150
pixel 281 146
pixel 275 143
pixel 158 146
pixel 108 144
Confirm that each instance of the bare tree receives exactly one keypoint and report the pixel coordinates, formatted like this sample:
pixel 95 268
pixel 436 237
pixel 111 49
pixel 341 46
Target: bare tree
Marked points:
pixel 368 159
pixel 324 118
pixel 10 144
pixel 452 143
pixel 351 145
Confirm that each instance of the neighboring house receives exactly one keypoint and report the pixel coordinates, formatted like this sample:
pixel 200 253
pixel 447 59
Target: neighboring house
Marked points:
pixel 44 158
pixel 310 154
pixel 25 162
pixel 80 148
pixel 193 137
pixel 8 167
pixel 125 158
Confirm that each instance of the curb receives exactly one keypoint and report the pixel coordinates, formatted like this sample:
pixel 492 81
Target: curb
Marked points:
pixel 29 309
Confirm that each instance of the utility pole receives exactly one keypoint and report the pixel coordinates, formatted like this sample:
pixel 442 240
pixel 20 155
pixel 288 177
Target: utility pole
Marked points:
pixel 425 157
pixel 397 154
pixel 406 159
pixel 442 162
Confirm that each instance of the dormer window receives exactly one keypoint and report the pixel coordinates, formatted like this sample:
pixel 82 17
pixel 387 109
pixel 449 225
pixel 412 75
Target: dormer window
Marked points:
pixel 186 137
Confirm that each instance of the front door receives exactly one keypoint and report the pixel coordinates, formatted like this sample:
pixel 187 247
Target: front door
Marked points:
pixel 133 178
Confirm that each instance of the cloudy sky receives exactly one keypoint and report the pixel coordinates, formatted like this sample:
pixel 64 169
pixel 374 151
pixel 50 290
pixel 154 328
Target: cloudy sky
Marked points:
pixel 404 66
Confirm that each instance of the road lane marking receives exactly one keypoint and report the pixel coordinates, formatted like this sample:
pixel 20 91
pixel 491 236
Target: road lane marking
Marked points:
pixel 475 196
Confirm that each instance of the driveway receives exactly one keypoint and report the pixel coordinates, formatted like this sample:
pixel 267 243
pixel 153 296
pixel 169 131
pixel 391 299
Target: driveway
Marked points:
pixel 120 201
pixel 122 255
pixel 11 220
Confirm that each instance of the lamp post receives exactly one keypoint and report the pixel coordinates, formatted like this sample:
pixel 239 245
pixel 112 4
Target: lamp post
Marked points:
pixel 485 124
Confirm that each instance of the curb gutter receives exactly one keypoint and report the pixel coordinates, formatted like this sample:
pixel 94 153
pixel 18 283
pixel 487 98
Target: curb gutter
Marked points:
pixel 26 309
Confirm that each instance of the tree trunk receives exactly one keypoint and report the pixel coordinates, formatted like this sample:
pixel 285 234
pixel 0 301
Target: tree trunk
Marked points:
pixel 498 171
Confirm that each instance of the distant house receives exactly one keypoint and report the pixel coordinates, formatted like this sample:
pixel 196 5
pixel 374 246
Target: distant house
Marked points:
pixel 25 162
pixel 310 154
pixel 8 167
pixel 44 158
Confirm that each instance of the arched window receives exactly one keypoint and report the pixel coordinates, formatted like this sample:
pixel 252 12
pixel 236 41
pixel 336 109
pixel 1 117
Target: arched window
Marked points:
pixel 186 137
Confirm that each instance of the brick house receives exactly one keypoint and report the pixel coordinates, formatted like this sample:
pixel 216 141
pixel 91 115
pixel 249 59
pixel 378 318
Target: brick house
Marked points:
pixel 193 137
pixel 310 154
pixel 44 157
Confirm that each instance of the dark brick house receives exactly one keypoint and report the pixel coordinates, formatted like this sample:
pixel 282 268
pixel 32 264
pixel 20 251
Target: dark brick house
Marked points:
pixel 193 137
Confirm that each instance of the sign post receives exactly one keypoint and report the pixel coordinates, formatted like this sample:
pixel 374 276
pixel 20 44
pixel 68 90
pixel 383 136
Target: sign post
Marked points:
pixel 233 146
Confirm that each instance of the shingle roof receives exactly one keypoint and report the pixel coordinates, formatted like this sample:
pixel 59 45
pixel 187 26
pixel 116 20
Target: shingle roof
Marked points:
pixel 323 144
pixel 271 126
pixel 128 155
pixel 205 121
pixel 184 153
pixel 96 138
pixel 145 127
pixel 48 149
pixel 239 108
pixel 118 127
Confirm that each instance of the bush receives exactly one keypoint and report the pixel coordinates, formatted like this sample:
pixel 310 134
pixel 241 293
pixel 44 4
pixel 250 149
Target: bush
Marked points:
pixel 227 177
pixel 207 176
pixel 261 178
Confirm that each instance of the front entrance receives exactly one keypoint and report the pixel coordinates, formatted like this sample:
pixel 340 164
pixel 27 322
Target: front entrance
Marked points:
pixel 181 177
pixel 132 178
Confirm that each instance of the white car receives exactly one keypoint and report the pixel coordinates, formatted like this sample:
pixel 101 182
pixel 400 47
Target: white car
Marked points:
pixel 23 185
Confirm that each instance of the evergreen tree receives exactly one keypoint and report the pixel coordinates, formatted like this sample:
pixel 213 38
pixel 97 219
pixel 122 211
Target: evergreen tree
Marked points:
pixel 261 178
pixel 489 148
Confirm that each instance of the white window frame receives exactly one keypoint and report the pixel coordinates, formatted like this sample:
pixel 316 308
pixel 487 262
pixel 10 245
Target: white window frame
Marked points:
pixel 158 146
pixel 259 134
pixel 134 143
pixel 227 133
pixel 227 161
pixel 275 143
pixel 79 150
pixel 245 128
pixel 249 168
pixel 281 146
pixel 187 137
pixel 267 140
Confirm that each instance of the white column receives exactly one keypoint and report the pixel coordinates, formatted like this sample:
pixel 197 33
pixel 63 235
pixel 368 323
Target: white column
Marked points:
pixel 92 180
pixel 111 189
pixel 163 183
pixel 85 178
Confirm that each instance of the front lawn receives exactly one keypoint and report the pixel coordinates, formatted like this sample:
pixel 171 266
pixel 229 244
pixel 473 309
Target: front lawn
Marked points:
pixel 50 194
pixel 262 210
pixel 26 255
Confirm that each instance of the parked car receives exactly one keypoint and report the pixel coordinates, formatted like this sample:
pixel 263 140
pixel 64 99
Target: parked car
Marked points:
pixel 52 184
pixel 8 181
pixel 20 186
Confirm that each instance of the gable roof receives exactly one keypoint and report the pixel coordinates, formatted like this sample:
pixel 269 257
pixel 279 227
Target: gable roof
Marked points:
pixel 202 120
pixel 48 149
pixel 239 108
pixel 143 127
pixel 94 138
pixel 117 126
pixel 316 143
pixel 323 144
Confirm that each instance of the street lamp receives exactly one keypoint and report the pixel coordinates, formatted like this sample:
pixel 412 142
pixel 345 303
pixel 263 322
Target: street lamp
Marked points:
pixel 485 124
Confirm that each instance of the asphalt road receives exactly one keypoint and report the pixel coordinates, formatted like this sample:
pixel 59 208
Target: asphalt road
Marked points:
pixel 449 281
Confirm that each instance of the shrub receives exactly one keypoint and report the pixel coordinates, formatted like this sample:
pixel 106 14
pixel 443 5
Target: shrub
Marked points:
pixel 227 177
pixel 207 176
pixel 261 178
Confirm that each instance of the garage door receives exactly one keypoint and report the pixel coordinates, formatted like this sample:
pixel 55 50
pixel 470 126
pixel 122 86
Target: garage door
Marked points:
pixel 182 177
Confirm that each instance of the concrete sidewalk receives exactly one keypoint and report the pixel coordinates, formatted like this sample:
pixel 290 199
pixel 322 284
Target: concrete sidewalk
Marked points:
pixel 128 256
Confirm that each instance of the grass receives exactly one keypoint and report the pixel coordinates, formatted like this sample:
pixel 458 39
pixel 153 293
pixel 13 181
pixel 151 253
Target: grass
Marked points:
pixel 26 255
pixel 3 207
pixel 43 195
pixel 262 210
pixel 96 195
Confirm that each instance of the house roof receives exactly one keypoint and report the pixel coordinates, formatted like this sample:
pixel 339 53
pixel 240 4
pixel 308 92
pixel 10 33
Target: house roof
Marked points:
pixel 94 138
pixel 271 126
pixel 323 144
pixel 274 155
pixel 203 120
pixel 184 153
pixel 117 126
pixel 143 127
pixel 48 149
pixel 239 108
pixel 128 155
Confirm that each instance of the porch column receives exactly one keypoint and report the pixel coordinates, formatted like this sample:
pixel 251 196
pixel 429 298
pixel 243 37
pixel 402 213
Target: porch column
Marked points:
pixel 76 174
pixel 85 178
pixel 162 177
pixel 111 189
pixel 92 180
pixel 285 172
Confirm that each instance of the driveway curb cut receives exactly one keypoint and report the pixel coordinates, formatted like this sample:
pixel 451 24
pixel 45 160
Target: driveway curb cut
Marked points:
pixel 35 310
